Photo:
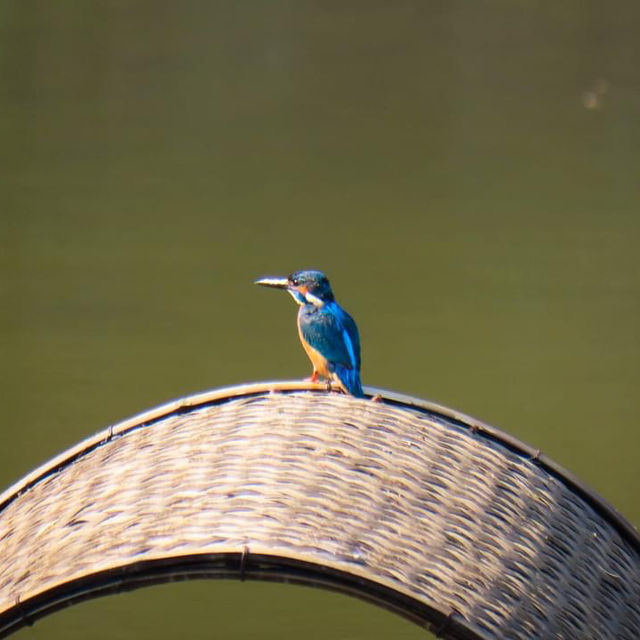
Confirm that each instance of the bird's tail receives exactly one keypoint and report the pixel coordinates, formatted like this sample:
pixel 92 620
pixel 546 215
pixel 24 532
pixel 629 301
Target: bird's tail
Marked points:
pixel 349 380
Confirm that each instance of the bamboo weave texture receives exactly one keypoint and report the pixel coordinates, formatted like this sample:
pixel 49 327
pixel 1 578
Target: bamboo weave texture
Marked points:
pixel 474 538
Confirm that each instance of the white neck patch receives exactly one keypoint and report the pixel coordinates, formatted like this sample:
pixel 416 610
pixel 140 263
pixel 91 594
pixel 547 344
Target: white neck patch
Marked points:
pixel 314 300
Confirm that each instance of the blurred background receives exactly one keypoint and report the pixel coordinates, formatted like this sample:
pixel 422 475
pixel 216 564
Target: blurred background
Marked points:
pixel 467 174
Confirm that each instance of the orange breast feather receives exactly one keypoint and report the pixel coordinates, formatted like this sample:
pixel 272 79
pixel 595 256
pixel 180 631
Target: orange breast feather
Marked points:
pixel 317 359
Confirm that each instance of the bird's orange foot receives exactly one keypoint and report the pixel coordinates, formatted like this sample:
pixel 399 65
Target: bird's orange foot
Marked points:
pixel 376 398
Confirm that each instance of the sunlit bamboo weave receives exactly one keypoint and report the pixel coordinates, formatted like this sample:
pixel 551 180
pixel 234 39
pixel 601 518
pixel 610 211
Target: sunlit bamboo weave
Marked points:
pixel 410 505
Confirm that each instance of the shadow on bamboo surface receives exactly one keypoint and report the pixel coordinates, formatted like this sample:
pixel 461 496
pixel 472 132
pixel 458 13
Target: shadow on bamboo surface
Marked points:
pixel 407 504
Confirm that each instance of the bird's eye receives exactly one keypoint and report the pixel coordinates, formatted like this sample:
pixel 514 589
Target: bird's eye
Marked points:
pixel 295 282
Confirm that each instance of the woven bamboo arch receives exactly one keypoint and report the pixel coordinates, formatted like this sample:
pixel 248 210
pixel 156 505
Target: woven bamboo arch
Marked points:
pixel 407 504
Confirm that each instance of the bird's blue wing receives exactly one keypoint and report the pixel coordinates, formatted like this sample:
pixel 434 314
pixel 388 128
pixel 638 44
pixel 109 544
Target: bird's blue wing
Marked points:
pixel 350 378
pixel 332 331
pixel 351 330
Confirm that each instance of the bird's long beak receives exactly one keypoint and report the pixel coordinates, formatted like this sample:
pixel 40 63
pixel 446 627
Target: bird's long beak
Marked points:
pixel 276 283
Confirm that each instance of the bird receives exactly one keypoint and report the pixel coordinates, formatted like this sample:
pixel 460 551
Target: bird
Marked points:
pixel 328 333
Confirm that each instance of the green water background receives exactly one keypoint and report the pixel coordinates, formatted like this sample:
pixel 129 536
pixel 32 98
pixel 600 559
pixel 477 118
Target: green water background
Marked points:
pixel 467 173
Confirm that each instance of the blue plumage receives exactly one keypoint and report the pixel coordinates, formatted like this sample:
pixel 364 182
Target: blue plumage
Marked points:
pixel 328 333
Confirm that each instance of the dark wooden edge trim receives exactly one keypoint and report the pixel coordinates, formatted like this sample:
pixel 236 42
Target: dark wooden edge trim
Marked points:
pixel 241 565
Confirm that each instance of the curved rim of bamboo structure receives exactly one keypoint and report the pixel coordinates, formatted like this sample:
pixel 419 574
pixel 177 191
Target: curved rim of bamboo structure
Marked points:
pixel 257 564
pixel 215 396
pixel 242 566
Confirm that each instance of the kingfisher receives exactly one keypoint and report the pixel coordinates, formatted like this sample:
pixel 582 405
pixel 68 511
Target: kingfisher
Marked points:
pixel 328 333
